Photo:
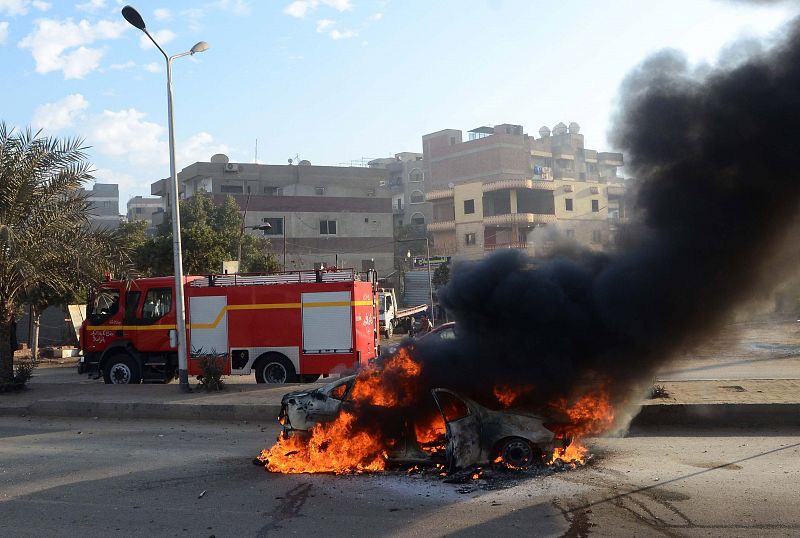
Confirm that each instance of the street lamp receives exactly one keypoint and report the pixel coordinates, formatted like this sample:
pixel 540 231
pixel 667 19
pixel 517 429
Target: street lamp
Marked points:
pixel 135 19
pixel 264 227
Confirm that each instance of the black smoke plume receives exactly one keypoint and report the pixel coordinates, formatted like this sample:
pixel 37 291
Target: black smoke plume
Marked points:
pixel 716 157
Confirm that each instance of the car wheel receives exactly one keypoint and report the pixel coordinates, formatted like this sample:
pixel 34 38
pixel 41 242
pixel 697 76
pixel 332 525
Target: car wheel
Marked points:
pixel 121 369
pixel 389 329
pixel 518 453
pixel 275 368
pixel 309 378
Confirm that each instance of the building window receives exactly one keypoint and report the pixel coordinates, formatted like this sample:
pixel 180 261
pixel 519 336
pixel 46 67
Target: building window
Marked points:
pixel 273 191
pixel 596 236
pixel 138 209
pixel 571 233
pixel 417 197
pixel 399 204
pixel 327 227
pixel 469 239
pixel 595 206
pixel 452 140
pixel 469 207
pixel 568 204
pixel 319 191
pixel 415 175
pixel 417 218
pixel 276 225
pixel 231 189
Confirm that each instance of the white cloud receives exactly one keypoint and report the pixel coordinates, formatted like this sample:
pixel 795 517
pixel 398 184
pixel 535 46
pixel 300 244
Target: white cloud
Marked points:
pixel 299 8
pixel 91 6
pixel 339 5
pixel 127 134
pixel 152 67
pixel 237 7
pixel 3 32
pixel 126 182
pixel 162 14
pixel 20 7
pixel 130 64
pixel 199 147
pixel 324 24
pixel 376 16
pixel 347 34
pixel 60 46
pixel 60 115
pixel 162 37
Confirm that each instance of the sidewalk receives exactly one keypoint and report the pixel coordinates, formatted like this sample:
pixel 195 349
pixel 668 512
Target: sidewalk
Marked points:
pixel 691 403
pixel 235 402
pixel 741 402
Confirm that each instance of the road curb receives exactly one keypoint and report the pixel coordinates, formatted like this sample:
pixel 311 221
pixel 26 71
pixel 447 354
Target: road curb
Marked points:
pixel 148 410
pixel 720 414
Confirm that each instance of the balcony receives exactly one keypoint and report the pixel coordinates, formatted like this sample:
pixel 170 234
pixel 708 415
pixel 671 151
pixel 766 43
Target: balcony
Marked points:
pixel 159 188
pixel 540 248
pixel 446 226
pixel 616 191
pixel 505 184
pixel 517 218
pixel 609 158
pixel 440 194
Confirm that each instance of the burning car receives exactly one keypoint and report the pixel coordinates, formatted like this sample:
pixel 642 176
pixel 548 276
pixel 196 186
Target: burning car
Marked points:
pixel 464 433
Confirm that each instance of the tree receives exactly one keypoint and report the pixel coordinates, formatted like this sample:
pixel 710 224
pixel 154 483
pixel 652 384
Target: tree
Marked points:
pixel 47 249
pixel 210 234
pixel 441 276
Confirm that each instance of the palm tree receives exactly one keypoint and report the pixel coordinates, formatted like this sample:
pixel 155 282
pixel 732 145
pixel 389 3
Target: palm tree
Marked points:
pixel 47 248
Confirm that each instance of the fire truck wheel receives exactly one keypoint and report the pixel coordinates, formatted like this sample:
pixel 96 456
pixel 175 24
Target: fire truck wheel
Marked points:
pixel 121 369
pixel 275 368
pixel 518 453
pixel 389 329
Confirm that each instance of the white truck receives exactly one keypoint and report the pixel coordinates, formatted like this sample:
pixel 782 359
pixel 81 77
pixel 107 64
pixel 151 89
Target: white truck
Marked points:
pixel 391 316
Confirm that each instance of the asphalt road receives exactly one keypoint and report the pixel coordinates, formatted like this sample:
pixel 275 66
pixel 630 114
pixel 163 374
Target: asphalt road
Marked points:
pixel 88 478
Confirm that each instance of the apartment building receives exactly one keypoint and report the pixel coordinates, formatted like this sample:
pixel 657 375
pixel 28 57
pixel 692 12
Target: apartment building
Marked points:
pixel 502 188
pixel 318 214
pixel 144 208
pixel 407 185
pixel 104 209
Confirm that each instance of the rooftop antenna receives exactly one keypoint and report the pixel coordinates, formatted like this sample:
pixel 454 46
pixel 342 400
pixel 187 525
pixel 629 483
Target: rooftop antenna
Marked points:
pixel 256 157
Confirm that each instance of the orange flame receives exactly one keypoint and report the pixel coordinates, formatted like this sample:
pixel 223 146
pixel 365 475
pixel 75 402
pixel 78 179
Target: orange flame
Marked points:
pixel 590 414
pixel 339 446
pixel 507 395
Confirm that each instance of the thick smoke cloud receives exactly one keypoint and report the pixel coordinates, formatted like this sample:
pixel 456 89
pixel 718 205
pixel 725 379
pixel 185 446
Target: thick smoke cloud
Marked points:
pixel 717 162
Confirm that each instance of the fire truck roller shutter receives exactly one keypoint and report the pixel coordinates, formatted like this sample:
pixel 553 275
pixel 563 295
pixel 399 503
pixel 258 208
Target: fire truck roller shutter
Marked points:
pixel 327 322
pixel 209 324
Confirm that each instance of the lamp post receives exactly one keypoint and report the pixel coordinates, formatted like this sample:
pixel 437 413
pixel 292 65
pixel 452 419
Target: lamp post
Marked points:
pixel 428 259
pixel 135 19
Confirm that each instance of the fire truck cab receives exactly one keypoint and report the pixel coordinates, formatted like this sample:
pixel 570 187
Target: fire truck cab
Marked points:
pixel 282 327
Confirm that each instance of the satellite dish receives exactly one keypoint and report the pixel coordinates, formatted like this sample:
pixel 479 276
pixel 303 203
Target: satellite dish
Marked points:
pixel 220 158
pixel 544 132
pixel 560 129
pixel 304 162
pixel 290 161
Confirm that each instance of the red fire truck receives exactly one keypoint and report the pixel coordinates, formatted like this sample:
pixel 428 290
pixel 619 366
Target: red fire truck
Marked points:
pixel 284 327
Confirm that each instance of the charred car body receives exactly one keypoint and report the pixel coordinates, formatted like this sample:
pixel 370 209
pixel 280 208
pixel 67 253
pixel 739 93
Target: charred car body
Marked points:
pixel 473 434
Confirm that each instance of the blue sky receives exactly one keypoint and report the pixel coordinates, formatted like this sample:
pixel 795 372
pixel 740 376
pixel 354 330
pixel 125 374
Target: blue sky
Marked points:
pixel 335 80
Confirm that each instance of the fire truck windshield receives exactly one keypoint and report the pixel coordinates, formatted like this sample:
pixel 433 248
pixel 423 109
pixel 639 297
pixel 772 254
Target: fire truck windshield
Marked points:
pixel 106 304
